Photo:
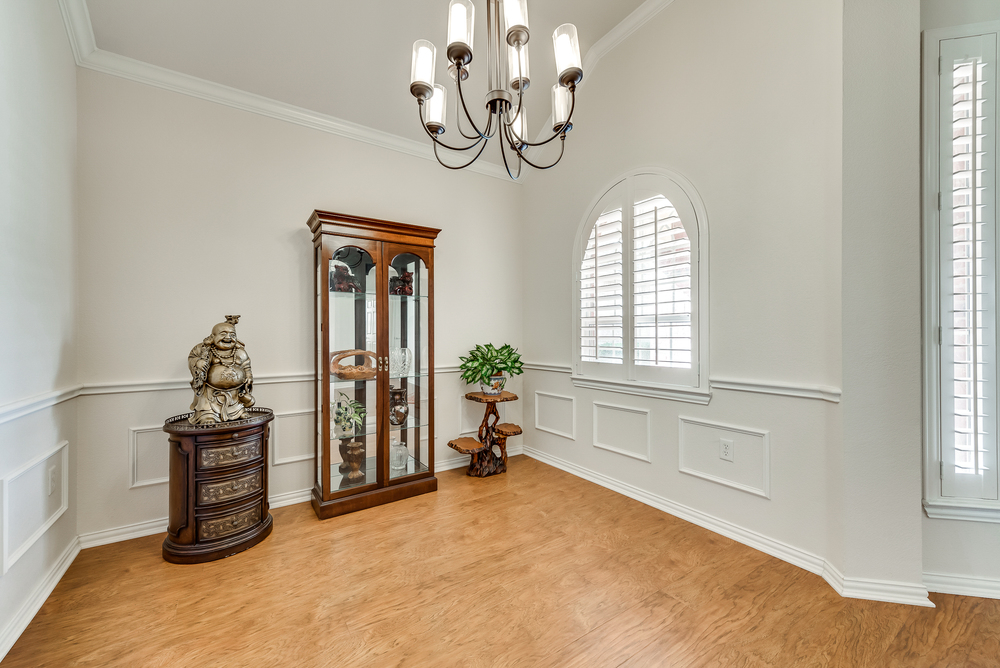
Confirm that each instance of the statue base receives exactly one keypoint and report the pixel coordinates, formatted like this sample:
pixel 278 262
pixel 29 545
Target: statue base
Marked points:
pixel 218 487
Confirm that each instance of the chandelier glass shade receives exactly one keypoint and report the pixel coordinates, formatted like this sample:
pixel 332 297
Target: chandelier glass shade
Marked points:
pixel 508 76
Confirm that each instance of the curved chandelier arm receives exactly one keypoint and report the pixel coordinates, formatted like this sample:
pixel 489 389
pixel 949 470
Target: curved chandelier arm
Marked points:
pixel 503 154
pixel 562 149
pixel 443 164
pixel 420 110
pixel 468 116
pixel 560 132
pixel 489 126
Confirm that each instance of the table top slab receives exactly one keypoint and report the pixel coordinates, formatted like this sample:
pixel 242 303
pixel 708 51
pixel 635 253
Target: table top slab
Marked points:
pixel 484 398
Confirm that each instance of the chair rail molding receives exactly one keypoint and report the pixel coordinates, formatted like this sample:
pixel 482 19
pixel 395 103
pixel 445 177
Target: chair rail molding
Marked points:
pixel 797 390
pixel 23 407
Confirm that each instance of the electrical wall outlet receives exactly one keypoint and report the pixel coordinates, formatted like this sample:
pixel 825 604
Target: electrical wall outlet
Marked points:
pixel 726 449
pixel 52 478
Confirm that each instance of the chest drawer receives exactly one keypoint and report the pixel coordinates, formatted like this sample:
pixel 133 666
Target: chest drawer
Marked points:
pixel 229 524
pixel 212 457
pixel 220 491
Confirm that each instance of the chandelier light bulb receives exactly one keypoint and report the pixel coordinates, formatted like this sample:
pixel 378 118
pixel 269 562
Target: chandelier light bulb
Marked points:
pixel 561 104
pixel 422 69
pixel 515 13
pixel 569 66
pixel 436 109
pixel 517 68
pixel 461 15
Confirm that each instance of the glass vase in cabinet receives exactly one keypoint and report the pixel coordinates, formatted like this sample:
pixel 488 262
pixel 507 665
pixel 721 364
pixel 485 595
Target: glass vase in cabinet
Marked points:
pixel 374 362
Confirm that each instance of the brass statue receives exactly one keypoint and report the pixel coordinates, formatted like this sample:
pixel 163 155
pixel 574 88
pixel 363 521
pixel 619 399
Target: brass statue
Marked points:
pixel 220 376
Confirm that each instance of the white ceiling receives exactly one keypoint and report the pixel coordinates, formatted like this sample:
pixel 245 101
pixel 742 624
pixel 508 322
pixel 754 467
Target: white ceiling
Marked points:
pixel 345 59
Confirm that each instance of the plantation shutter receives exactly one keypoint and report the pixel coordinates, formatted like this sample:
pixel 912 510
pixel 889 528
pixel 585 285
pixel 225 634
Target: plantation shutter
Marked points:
pixel 601 291
pixel 968 287
pixel 661 280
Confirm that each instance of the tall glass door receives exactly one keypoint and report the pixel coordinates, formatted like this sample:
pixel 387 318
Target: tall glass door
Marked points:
pixel 410 390
pixel 355 368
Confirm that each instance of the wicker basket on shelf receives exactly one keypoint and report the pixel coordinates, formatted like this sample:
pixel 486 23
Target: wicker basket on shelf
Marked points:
pixel 364 371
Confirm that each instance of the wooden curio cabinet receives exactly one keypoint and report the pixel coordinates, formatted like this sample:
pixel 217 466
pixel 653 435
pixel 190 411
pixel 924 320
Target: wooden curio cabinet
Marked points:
pixel 374 362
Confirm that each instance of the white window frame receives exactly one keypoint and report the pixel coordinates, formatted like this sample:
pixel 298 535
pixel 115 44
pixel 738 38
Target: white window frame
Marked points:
pixel 621 377
pixel 935 503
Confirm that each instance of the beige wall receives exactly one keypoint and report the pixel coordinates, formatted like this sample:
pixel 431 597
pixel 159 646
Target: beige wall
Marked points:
pixel 881 475
pixel 708 89
pixel 192 210
pixel 37 293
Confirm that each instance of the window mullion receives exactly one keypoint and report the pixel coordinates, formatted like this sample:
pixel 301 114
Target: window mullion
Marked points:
pixel 628 286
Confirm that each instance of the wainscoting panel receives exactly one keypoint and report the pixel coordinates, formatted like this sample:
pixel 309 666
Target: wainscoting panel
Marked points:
pixel 149 456
pixel 34 497
pixel 749 470
pixel 555 414
pixel 622 429
pixel 292 437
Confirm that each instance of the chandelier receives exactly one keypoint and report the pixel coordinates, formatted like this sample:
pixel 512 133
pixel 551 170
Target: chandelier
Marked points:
pixel 507 72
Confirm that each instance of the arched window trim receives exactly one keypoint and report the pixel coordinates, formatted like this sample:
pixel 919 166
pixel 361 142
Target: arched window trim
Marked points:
pixel 617 377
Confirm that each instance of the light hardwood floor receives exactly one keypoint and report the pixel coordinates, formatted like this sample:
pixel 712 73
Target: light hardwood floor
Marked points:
pixel 532 568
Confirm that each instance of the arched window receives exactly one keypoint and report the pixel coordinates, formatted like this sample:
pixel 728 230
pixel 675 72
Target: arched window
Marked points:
pixel 641 272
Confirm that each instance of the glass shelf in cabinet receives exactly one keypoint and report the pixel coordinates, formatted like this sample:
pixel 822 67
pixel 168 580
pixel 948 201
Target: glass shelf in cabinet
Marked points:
pixel 412 376
pixel 370 429
pixel 353 296
pixel 371 475
pixel 340 384
pixel 411 423
pixel 412 466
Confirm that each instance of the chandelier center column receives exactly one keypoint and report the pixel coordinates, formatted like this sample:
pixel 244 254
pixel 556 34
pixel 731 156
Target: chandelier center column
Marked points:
pixel 497 99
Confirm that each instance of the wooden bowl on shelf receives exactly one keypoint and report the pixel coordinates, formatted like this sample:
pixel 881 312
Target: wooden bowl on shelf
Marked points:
pixel 364 371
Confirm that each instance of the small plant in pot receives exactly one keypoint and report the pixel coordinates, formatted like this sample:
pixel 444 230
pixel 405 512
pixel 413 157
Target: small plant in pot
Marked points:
pixel 487 365
pixel 349 415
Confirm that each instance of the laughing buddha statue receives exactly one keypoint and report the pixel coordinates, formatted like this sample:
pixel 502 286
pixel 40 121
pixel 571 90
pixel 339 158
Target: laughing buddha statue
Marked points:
pixel 220 376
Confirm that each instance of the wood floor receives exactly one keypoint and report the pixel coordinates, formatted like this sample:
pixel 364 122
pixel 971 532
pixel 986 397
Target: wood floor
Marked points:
pixel 532 568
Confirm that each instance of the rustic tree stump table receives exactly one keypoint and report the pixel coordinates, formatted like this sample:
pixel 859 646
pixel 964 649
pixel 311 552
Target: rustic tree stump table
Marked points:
pixel 485 461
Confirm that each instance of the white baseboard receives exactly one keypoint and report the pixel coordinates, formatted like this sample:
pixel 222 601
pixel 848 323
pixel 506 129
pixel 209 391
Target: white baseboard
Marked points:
pixel 290 498
pixel 876 590
pixel 152 527
pixel 962 585
pixel 38 597
pixel 118 534
pixel 892 592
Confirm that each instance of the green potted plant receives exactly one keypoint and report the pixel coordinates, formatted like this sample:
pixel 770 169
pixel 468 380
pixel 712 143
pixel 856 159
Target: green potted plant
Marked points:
pixel 349 415
pixel 487 365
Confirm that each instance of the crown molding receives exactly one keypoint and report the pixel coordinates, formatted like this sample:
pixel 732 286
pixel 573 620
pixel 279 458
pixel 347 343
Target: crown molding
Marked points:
pixel 621 32
pixel 638 18
pixel 86 53
pixel 81 36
